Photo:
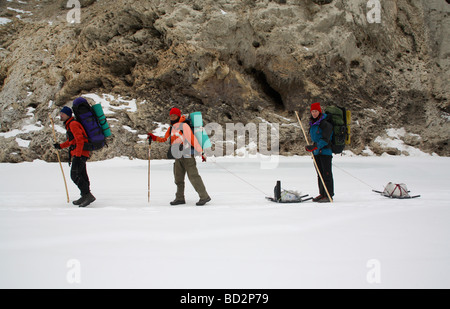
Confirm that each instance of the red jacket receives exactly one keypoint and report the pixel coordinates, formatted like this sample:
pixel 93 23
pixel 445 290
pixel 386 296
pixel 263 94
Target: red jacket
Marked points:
pixel 181 133
pixel 76 138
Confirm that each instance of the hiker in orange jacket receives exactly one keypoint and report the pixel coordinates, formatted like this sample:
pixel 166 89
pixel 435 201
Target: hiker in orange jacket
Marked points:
pixel 183 147
pixel 76 138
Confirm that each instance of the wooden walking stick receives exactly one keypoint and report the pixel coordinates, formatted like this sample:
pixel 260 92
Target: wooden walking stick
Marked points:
pixel 59 158
pixel 314 159
pixel 149 157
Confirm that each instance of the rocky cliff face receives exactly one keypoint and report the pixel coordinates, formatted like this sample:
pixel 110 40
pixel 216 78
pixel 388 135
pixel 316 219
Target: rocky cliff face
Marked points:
pixel 235 61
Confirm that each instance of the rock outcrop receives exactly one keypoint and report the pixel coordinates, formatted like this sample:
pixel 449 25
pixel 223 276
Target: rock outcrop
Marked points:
pixel 235 61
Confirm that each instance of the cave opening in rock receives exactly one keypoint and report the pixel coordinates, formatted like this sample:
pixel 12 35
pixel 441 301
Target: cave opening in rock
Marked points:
pixel 273 95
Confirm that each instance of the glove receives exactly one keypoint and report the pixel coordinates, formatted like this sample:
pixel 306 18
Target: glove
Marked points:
pixel 57 146
pixel 152 137
pixel 203 157
pixel 311 148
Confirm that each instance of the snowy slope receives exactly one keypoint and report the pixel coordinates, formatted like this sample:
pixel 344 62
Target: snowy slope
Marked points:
pixel 239 240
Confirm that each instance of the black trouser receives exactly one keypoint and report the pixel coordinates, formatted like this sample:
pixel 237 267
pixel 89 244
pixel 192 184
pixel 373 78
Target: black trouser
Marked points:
pixel 79 175
pixel 325 168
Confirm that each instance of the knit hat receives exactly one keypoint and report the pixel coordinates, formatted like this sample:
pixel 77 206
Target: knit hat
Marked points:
pixel 175 111
pixel 316 107
pixel 66 110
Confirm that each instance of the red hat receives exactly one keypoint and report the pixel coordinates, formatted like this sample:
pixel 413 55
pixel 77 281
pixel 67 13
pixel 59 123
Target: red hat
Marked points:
pixel 316 107
pixel 175 111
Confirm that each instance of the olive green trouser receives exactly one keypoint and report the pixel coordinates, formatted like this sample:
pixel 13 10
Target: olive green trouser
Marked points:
pixel 189 166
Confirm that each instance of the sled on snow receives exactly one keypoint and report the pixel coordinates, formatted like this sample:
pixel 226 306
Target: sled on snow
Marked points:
pixel 397 191
pixel 287 197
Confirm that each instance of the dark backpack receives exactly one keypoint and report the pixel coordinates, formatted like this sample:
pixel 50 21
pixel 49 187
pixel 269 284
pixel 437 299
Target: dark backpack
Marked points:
pixel 338 117
pixel 85 115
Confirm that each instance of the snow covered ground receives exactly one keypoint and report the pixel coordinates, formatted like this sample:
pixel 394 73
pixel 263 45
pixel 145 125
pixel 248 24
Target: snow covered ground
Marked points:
pixel 239 240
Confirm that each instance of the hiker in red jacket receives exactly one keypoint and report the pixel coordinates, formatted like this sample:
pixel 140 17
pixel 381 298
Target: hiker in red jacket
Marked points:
pixel 184 145
pixel 76 138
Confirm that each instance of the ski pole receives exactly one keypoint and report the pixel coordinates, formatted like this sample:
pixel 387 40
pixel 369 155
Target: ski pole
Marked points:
pixel 314 159
pixel 59 159
pixel 149 157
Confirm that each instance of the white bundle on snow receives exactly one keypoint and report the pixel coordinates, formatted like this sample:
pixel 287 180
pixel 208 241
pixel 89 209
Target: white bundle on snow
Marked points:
pixel 396 190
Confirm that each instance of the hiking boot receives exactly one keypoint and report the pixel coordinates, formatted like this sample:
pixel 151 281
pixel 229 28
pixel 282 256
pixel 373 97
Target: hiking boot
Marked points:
pixel 87 200
pixel 324 200
pixel 78 202
pixel 203 201
pixel 317 198
pixel 178 202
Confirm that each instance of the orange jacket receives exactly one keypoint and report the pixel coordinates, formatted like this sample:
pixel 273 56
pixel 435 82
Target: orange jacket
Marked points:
pixel 180 133
pixel 76 137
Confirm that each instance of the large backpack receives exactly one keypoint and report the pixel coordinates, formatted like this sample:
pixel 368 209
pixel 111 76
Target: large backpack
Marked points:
pixel 339 117
pixel 85 115
pixel 195 122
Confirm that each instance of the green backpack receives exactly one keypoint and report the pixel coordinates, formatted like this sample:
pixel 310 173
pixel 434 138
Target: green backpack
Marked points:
pixel 340 118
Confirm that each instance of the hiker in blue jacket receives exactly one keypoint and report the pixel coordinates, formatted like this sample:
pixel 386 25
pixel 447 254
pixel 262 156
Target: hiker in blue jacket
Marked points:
pixel 321 132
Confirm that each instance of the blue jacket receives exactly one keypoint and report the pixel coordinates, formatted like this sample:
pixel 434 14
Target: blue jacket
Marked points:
pixel 321 132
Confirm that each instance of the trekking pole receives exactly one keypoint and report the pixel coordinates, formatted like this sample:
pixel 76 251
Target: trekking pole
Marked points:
pixel 59 159
pixel 149 157
pixel 314 159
